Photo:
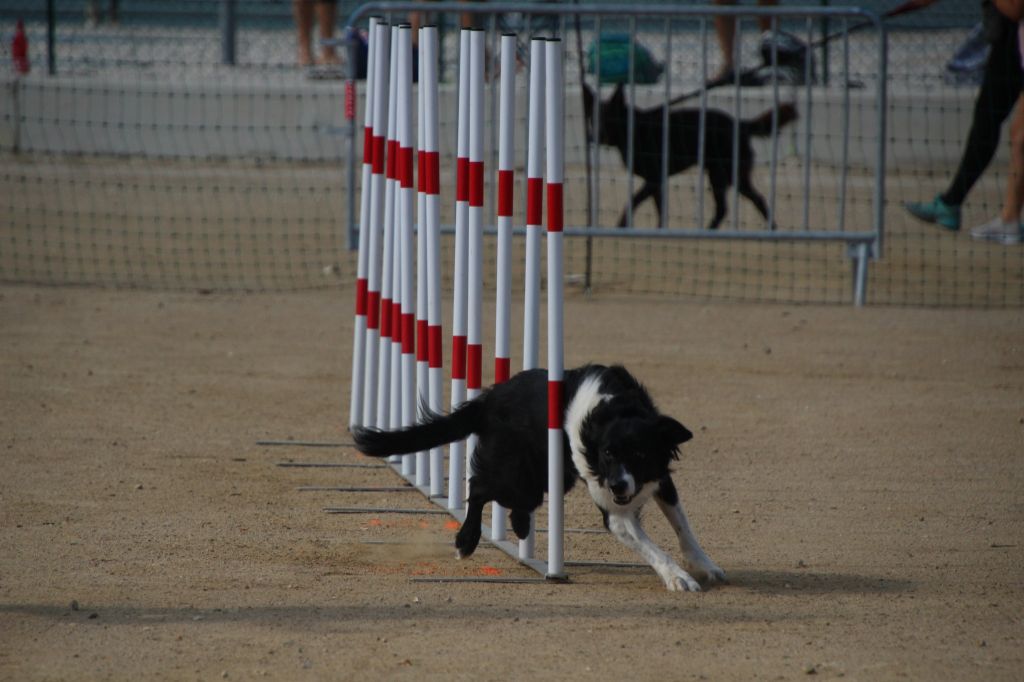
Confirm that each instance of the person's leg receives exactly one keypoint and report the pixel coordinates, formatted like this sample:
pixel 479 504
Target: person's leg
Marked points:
pixel 326 14
pixel 765 23
pixel 1006 229
pixel 1000 87
pixel 1015 183
pixel 302 10
pixel 725 32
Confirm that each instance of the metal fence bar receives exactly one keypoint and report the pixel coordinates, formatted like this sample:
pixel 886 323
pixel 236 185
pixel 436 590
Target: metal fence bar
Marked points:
pixel 635 13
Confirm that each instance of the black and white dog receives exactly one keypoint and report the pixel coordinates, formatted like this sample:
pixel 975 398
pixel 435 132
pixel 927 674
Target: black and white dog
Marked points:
pixel 615 440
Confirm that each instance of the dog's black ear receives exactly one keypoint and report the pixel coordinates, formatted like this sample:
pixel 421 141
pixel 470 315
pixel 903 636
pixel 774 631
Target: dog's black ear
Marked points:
pixel 672 431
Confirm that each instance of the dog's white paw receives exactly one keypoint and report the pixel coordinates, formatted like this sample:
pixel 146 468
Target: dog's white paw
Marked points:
pixel 678 580
pixel 705 570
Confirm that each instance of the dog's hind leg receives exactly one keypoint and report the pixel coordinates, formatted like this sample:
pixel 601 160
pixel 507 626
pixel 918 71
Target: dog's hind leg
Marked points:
pixel 468 537
pixel 697 561
pixel 746 188
pixel 520 522
pixel 627 529
pixel 719 179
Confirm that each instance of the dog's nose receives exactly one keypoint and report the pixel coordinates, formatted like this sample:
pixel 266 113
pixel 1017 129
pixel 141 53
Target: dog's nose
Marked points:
pixel 619 487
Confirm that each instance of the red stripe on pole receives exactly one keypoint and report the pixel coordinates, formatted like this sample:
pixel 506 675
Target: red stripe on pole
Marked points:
pixel 474 365
pixel 502 368
pixel 554 404
pixel 462 179
pixel 408 333
pixel 361 285
pixel 368 145
pixel 373 310
pixel 458 357
pixel 505 193
pixel 421 171
pixel 434 344
pixel 476 183
pixel 534 200
pixel 405 166
pixel 433 173
pixel 396 321
pixel 422 341
pixel 554 207
pixel 378 155
pixel 385 317
pixel 392 164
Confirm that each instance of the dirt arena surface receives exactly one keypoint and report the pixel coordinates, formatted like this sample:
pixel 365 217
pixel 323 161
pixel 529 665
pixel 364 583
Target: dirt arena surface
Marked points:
pixel 858 473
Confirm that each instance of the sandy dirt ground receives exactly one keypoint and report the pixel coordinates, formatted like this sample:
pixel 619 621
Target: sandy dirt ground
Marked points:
pixel 858 473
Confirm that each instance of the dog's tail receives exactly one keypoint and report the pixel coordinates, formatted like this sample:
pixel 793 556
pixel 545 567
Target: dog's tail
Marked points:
pixel 435 430
pixel 761 126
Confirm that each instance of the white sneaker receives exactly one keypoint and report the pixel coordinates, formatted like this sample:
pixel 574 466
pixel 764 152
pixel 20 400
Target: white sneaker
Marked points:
pixel 996 230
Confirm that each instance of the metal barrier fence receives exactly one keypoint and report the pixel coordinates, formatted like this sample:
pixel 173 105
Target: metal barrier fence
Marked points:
pixel 667 137
pixel 146 162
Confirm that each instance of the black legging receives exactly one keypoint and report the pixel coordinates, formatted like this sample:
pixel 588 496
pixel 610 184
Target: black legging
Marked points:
pixel 1000 87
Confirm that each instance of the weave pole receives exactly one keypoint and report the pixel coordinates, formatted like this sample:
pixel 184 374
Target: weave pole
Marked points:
pixel 475 283
pixel 432 169
pixel 422 326
pixel 457 450
pixel 555 129
pixel 534 203
pixel 355 405
pixel 503 266
pixel 388 257
pixel 407 198
pixel 377 196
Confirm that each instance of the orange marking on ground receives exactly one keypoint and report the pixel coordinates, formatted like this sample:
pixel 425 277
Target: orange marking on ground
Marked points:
pixel 490 570
pixel 451 524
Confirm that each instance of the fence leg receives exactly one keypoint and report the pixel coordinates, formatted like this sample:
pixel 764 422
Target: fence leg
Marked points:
pixel 860 255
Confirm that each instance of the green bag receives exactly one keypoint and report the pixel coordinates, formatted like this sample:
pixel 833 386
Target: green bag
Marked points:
pixel 615 60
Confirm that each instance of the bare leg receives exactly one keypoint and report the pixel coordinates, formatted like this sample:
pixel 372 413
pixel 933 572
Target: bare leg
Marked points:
pixel 1014 198
pixel 725 31
pixel 326 14
pixel 303 13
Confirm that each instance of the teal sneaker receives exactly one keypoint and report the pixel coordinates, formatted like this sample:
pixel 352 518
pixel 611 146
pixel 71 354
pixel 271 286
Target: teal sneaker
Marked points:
pixel 936 211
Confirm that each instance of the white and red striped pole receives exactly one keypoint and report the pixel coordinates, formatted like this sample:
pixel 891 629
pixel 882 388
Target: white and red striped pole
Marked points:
pixel 456 452
pixel 432 169
pixel 422 325
pixel 377 195
pixel 384 416
pixel 534 221
pixel 503 266
pixel 407 200
pixel 355 407
pixel 474 335
pixel 555 107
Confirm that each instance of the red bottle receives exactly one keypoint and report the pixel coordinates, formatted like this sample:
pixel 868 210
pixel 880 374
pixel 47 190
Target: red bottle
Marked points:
pixel 19 49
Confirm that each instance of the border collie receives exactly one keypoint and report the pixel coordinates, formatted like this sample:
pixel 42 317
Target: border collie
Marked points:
pixel 615 440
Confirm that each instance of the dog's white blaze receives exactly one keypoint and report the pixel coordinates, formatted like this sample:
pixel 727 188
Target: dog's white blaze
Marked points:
pixel 586 398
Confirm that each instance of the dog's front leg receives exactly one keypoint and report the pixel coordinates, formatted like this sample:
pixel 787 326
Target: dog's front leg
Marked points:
pixel 699 563
pixel 627 528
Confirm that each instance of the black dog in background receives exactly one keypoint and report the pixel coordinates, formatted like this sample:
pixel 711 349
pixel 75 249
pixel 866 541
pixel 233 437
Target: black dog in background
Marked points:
pixel 683 141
